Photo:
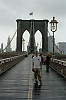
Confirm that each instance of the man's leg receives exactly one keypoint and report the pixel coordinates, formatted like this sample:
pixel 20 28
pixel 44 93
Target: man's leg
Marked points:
pixel 39 77
pixel 47 68
pixel 35 75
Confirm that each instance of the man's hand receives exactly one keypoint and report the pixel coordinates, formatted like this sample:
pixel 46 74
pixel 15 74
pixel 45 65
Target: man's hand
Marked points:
pixel 41 68
pixel 33 66
pixel 33 69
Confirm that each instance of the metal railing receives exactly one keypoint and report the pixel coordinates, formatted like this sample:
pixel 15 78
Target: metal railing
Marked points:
pixel 7 63
pixel 61 62
pixel 59 66
pixel 2 61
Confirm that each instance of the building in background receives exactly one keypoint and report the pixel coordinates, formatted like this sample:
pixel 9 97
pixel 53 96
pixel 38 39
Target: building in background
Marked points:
pixel 50 45
pixel 9 45
pixel 1 47
pixel 62 47
pixel 40 50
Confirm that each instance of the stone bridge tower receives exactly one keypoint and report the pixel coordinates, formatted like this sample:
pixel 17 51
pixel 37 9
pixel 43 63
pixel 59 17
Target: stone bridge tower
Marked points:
pixel 32 26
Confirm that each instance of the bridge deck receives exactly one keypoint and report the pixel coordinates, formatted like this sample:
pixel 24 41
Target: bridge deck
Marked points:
pixel 17 84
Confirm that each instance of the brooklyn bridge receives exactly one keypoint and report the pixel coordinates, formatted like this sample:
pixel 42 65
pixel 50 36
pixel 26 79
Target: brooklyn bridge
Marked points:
pixel 16 76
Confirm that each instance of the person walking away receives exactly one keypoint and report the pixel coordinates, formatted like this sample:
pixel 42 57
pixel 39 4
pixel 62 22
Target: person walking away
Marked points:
pixel 37 67
pixel 47 62
pixel 42 60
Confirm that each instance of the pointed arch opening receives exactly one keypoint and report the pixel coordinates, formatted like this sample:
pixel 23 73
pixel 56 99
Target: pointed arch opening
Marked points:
pixel 38 40
pixel 25 38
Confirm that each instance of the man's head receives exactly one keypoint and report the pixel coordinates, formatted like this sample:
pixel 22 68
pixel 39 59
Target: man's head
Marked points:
pixel 36 53
pixel 48 54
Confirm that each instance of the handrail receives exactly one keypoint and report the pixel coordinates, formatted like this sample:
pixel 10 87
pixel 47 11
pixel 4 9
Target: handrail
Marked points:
pixel 7 63
pixel 61 62
pixel 2 61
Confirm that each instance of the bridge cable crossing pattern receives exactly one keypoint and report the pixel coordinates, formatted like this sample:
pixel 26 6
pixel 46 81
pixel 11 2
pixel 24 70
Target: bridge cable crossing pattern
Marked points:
pixel 10 40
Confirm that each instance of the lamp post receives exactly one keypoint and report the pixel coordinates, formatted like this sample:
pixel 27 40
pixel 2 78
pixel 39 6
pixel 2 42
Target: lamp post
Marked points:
pixel 53 29
pixel 37 46
pixel 23 43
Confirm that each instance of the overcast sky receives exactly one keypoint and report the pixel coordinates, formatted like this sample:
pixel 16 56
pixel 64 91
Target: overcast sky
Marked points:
pixel 10 10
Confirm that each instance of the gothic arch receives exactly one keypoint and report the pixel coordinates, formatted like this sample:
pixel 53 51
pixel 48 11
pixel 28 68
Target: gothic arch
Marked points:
pixel 38 38
pixel 26 36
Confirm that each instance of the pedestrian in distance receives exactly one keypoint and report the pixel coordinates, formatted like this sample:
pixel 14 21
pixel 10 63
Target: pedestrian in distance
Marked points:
pixel 37 67
pixel 42 59
pixel 47 62
pixel 32 54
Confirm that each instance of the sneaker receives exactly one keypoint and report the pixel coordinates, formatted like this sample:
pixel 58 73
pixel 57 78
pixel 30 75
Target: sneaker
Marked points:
pixel 36 82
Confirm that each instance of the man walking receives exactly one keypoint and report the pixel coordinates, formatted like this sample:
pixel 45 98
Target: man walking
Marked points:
pixel 47 62
pixel 37 66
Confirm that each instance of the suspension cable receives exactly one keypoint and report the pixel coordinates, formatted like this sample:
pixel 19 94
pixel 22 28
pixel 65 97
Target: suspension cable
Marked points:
pixel 10 41
pixel 11 38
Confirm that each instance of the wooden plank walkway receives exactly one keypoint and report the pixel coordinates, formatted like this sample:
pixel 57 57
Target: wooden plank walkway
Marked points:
pixel 17 84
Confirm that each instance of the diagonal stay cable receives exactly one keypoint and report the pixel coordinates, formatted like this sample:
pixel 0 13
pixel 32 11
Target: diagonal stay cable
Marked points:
pixel 10 41
pixel 52 41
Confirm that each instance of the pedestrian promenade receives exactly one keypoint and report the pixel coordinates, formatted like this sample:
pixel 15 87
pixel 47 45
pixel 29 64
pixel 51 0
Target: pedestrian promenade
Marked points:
pixel 18 84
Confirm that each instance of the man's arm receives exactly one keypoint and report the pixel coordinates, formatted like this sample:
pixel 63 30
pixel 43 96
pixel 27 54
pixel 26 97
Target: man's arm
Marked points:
pixel 32 66
pixel 41 65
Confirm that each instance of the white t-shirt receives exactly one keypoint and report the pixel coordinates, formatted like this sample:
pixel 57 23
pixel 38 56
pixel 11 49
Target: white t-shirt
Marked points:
pixel 36 61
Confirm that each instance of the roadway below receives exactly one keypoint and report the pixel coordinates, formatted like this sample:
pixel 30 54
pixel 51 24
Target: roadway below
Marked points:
pixel 18 83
